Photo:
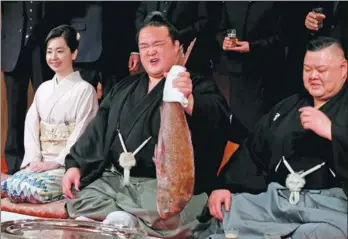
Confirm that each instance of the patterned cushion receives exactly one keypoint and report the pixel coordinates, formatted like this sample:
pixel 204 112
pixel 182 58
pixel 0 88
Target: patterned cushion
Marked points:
pixel 48 210
pixel 3 177
pixel 26 186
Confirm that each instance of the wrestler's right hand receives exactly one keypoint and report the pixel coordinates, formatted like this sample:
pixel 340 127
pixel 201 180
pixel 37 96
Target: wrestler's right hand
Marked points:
pixel 72 176
pixel 216 199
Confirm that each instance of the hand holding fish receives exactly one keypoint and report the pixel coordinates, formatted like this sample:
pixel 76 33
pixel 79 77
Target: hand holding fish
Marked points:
pixel 183 83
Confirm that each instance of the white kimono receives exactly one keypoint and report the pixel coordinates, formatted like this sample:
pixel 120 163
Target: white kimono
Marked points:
pixel 57 117
pixel 72 102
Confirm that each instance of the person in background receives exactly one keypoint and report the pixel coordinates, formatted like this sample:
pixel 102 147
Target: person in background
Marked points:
pixel 24 28
pixel 118 39
pixel 87 19
pixel 60 112
pixel 328 19
pixel 253 58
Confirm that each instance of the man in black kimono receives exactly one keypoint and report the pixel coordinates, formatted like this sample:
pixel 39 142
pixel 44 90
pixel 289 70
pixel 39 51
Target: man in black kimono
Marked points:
pixel 193 20
pixel 301 133
pixel 132 108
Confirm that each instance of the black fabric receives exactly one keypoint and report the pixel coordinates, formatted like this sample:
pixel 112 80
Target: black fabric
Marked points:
pixel 255 85
pixel 279 133
pixel 118 41
pixel 22 59
pixel 336 22
pixel 137 114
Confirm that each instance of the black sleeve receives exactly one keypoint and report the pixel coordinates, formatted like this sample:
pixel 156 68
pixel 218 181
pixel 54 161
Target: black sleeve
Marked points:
pixel 210 107
pixel 246 171
pixel 273 36
pixel 191 31
pixel 340 152
pixel 140 15
pixel 87 153
pixel 208 125
pixel 223 26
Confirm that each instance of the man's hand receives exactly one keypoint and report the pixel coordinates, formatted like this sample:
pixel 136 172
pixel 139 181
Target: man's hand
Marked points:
pixel 183 83
pixel 313 19
pixel 239 46
pixel 242 47
pixel 315 120
pixel 228 44
pixel 72 176
pixel 216 199
pixel 37 167
pixel 133 62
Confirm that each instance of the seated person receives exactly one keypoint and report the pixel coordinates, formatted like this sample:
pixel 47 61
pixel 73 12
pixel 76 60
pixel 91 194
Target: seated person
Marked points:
pixel 133 108
pixel 61 110
pixel 299 149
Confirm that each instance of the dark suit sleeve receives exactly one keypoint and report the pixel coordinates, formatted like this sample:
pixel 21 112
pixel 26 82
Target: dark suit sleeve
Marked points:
pixel 140 15
pixel 274 34
pixel 191 31
pixel 222 26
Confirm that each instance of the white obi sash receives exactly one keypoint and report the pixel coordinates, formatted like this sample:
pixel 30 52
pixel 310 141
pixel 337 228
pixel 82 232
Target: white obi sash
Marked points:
pixel 54 137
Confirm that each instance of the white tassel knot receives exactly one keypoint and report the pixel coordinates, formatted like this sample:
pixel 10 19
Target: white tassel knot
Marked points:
pixel 127 161
pixel 295 182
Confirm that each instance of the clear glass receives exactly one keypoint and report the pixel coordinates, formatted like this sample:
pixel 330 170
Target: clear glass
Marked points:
pixel 231 233
pixel 232 34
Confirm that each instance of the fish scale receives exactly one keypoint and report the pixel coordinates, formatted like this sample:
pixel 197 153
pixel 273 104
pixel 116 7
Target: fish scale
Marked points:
pixel 174 160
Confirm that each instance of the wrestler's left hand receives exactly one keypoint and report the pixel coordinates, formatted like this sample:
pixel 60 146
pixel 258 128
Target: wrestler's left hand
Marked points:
pixel 315 120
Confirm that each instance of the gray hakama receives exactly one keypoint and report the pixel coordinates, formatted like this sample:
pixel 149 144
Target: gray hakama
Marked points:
pixel 320 214
pixel 107 194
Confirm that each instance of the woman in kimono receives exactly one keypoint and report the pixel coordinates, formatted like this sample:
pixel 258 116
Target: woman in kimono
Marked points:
pixel 296 161
pixel 61 110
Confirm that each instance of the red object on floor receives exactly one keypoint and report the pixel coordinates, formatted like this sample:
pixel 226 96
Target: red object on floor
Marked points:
pixel 49 210
pixel 3 165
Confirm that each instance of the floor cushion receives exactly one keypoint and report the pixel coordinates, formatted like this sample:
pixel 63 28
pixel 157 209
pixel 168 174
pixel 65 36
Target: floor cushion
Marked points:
pixel 47 210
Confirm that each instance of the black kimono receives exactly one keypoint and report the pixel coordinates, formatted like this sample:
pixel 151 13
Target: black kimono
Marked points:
pixel 280 133
pixel 320 210
pixel 135 113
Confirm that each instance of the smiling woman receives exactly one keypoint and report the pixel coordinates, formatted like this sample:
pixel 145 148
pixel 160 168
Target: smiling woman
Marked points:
pixel 61 110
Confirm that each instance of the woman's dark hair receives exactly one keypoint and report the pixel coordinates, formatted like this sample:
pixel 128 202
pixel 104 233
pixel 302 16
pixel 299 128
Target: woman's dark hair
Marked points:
pixel 68 33
pixel 322 42
pixel 157 19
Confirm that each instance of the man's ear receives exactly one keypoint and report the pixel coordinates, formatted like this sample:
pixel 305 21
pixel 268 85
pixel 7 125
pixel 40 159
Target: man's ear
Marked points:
pixel 344 68
pixel 177 46
pixel 74 55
